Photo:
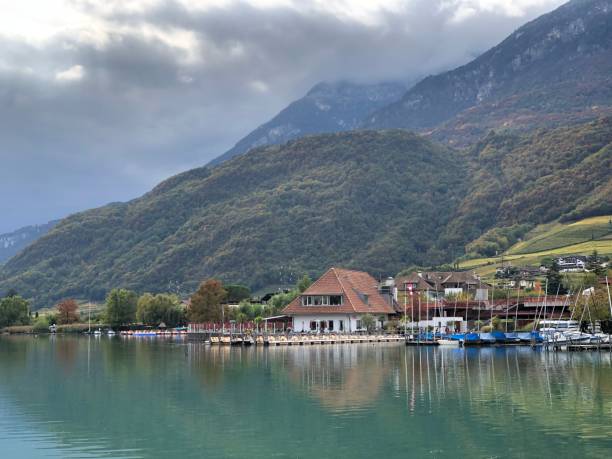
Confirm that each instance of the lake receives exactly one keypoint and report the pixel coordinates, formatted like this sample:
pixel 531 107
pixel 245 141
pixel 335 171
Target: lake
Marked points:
pixel 130 398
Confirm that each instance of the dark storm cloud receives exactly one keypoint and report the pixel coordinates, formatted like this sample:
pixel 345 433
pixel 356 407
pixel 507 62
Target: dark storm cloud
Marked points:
pixel 86 121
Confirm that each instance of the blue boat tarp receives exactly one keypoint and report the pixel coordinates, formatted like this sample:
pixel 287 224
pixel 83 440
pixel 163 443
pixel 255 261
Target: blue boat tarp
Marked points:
pixel 512 337
pixel 528 337
pixel 487 338
pixel 500 337
pixel 471 337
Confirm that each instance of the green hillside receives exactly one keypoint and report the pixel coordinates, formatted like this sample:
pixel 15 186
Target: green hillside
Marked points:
pixel 551 240
pixel 372 200
pixel 558 236
pixel 519 181
pixel 366 200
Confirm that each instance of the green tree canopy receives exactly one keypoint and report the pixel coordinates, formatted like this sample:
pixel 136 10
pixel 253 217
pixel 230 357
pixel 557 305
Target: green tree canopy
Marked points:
pixel 14 310
pixel 206 302
pixel 304 283
pixel 154 309
pixel 368 322
pixel 236 293
pixel 121 307
pixel 554 281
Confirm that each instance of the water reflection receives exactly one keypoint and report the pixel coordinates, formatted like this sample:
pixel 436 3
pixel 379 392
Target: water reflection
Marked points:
pixel 116 398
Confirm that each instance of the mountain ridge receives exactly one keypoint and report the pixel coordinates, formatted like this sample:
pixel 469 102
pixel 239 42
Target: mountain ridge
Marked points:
pixel 327 107
pixel 11 243
pixel 544 58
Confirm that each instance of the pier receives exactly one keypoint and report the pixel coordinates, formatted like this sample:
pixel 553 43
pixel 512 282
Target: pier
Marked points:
pixel 219 338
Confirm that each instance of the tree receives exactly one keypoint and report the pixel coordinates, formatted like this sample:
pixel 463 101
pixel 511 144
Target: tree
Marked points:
pixel 154 309
pixel 237 293
pixel 121 307
pixel 14 310
pixel 368 322
pixel 594 264
pixel 67 312
pixel 592 307
pixel 554 284
pixel 206 302
pixel 280 300
pixel 304 283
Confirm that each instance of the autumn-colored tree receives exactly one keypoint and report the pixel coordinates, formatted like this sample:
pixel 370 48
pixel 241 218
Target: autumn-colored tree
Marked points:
pixel 67 312
pixel 206 302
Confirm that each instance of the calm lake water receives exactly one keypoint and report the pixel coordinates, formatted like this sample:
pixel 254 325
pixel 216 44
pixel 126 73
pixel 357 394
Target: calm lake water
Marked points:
pixel 88 397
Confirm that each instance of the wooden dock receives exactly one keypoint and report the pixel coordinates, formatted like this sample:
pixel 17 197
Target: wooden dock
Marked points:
pixel 263 339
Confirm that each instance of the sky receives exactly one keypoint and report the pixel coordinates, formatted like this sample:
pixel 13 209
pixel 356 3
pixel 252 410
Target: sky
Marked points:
pixel 100 100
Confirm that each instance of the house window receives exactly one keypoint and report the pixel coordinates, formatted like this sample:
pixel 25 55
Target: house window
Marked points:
pixel 330 325
pixel 341 325
pixel 321 300
pixel 359 324
pixel 313 325
pixel 335 300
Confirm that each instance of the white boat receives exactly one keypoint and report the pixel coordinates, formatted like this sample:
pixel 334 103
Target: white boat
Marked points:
pixel 98 332
pixel 111 333
pixel 449 342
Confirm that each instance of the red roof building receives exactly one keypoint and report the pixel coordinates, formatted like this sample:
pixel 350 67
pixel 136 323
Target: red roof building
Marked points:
pixel 337 301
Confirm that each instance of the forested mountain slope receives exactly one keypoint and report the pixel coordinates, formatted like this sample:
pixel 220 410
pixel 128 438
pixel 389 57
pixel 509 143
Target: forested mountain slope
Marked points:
pixel 561 173
pixel 372 200
pixel 368 200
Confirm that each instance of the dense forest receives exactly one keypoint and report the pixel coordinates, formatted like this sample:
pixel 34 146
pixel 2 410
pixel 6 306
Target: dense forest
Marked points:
pixel 373 200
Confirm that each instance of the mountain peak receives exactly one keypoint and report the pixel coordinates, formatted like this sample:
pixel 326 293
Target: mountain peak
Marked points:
pixel 327 107
pixel 535 77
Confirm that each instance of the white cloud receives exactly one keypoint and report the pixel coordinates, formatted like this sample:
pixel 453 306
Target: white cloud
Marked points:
pixel 258 86
pixel 74 73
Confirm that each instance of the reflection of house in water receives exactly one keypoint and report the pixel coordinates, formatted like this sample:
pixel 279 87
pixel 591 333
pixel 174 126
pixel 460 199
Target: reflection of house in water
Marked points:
pixel 341 377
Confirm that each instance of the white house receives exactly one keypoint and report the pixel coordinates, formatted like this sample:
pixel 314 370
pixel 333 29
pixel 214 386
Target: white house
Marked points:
pixel 337 301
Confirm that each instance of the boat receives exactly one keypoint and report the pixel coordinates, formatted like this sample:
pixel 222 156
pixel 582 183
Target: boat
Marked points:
pixel 111 333
pixel 512 338
pixel 448 342
pixel 500 337
pixel 471 339
pixel 98 332
pixel 144 333
pixel 530 337
pixel 487 338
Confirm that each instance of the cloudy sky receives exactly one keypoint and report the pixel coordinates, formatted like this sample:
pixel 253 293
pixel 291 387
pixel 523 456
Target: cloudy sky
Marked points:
pixel 102 99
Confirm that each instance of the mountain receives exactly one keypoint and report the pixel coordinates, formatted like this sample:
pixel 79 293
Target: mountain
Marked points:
pixel 362 199
pixel 555 70
pixel 328 107
pixel 539 177
pixel 374 200
pixel 12 243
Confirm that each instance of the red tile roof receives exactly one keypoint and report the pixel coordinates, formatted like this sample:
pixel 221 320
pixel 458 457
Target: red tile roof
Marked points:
pixel 353 285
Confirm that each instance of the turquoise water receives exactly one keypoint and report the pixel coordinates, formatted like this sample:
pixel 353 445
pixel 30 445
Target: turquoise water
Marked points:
pixel 87 397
